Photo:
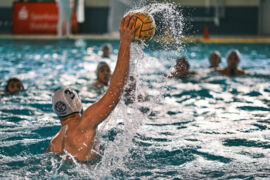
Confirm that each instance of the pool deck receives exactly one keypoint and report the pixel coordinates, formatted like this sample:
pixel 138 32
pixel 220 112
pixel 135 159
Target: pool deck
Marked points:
pixel 194 39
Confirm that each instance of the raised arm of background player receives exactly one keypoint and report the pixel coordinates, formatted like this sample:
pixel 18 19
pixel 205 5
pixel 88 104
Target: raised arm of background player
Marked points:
pixel 96 113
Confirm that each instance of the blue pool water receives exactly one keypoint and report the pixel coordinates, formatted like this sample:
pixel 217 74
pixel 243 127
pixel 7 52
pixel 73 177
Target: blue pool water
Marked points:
pixel 208 126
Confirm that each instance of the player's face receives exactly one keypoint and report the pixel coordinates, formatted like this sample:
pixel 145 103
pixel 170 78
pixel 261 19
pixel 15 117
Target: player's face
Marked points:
pixel 214 60
pixel 233 60
pixel 15 87
pixel 106 52
pixel 181 67
pixel 104 75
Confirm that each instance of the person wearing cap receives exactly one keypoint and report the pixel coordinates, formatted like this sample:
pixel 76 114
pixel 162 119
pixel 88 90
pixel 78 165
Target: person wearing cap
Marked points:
pixel 214 60
pixel 76 138
pixel 106 51
pixel 103 73
pixel 232 69
pixel 14 85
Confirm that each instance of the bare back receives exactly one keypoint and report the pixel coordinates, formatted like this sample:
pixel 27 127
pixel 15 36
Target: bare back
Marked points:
pixel 77 134
pixel 78 143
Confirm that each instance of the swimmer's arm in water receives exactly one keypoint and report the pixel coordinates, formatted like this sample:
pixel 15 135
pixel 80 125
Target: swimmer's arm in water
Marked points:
pixel 192 73
pixel 215 70
pixel 241 72
pixel 221 71
pixel 99 111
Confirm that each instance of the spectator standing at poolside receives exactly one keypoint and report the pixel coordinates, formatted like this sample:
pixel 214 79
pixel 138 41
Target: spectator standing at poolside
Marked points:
pixel 64 16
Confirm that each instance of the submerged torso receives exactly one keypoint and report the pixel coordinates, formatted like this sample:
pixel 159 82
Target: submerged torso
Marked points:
pixel 232 71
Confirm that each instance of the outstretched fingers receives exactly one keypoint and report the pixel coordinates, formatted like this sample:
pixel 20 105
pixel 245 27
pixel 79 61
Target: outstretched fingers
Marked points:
pixel 122 22
pixel 127 19
pixel 136 28
pixel 132 22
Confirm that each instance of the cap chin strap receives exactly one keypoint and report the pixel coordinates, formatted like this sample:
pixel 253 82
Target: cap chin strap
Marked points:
pixel 81 111
pixel 70 114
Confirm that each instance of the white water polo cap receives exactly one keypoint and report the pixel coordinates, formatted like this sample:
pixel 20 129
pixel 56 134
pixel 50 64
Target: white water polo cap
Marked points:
pixel 66 101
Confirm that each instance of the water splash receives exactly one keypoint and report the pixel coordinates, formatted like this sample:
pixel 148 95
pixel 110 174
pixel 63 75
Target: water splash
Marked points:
pixel 169 21
pixel 127 120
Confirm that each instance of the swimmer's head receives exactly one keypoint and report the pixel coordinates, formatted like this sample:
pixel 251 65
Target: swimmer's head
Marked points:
pixel 106 50
pixel 233 58
pixel 65 102
pixel 14 85
pixel 182 65
pixel 214 59
pixel 103 73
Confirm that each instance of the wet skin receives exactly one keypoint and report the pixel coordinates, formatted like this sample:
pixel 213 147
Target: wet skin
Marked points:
pixel 14 87
pixel 232 68
pixel 214 60
pixel 76 138
pixel 104 75
pixel 106 51
pixel 182 70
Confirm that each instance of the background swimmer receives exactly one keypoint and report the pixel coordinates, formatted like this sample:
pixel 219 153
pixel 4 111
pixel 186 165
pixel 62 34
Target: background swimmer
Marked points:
pixel 232 69
pixel 182 69
pixel 106 50
pixel 103 73
pixel 14 85
pixel 214 60
pixel 76 138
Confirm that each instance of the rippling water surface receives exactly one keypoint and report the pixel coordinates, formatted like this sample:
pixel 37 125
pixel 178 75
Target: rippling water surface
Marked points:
pixel 207 126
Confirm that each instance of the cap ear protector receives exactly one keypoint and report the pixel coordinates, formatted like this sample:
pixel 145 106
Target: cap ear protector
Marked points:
pixel 66 101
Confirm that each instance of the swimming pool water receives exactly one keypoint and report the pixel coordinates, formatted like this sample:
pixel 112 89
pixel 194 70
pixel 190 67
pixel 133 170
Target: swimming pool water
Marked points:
pixel 208 126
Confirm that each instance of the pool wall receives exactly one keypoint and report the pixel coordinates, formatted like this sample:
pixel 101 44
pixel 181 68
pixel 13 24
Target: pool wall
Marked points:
pixel 241 18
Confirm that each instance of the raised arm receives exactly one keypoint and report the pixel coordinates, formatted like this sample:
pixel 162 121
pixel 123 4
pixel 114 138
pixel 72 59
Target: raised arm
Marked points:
pixel 96 113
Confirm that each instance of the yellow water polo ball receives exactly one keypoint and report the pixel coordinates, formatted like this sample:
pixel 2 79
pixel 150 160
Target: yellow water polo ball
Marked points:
pixel 147 27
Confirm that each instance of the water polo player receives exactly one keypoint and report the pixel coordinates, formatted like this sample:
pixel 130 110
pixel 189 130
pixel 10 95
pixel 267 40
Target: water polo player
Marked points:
pixel 232 69
pixel 181 69
pixel 103 73
pixel 14 85
pixel 106 50
pixel 76 137
pixel 215 60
